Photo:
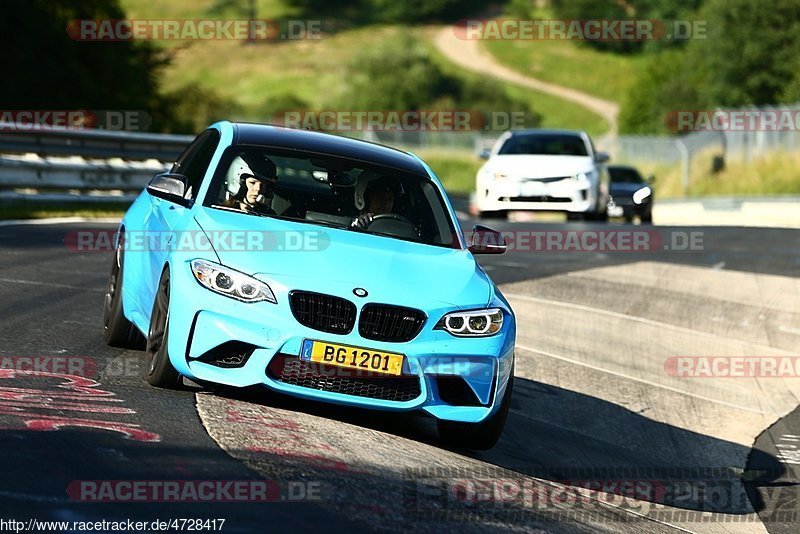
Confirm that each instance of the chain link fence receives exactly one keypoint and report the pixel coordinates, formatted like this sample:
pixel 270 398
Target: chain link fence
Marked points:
pixel 727 144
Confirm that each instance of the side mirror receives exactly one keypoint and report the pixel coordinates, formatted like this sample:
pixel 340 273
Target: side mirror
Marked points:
pixel 170 187
pixel 484 154
pixel 487 241
pixel 602 157
pixel 651 179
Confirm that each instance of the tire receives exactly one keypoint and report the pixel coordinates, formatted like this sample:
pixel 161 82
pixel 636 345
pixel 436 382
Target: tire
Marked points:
pixel 571 216
pixel 118 331
pixel 598 217
pixel 647 218
pixel 477 436
pixel 158 370
pixel 500 214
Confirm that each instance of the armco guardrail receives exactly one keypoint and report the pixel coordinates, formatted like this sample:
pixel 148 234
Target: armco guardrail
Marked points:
pixel 93 143
pixel 82 160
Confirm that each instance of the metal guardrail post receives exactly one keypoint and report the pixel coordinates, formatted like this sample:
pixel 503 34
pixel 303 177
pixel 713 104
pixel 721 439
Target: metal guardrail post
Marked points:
pixel 686 165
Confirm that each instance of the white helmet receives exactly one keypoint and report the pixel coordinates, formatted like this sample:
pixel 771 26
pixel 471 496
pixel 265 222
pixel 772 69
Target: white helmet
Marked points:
pixel 364 179
pixel 240 170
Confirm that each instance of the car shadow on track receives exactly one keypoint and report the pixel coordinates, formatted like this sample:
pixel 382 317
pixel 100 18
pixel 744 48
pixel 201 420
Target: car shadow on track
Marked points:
pixel 571 438
pixel 562 435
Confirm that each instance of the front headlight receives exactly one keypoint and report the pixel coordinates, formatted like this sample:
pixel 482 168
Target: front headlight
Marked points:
pixel 475 323
pixel 640 195
pixel 231 283
pixel 585 176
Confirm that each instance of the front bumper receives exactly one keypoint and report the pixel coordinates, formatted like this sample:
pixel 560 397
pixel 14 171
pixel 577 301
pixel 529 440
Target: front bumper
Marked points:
pixel 568 195
pixel 625 207
pixel 201 321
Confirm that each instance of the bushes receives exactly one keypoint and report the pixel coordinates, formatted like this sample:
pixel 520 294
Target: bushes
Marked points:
pixel 664 10
pixel 749 58
pixel 400 74
pixel 191 108
pixel 669 82
pixel 390 11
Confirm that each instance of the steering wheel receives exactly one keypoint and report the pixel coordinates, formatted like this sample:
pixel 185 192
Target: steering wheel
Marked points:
pixel 396 224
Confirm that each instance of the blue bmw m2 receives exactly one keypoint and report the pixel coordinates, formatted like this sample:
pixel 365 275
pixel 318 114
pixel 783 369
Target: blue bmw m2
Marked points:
pixel 319 266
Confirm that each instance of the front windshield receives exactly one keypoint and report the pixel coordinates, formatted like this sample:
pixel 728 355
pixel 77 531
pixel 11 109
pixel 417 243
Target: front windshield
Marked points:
pixel 624 175
pixel 333 192
pixel 545 144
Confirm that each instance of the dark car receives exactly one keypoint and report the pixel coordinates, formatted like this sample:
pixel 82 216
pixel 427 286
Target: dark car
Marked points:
pixel 631 195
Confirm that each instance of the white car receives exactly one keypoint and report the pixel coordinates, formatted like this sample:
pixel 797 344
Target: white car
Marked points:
pixel 544 170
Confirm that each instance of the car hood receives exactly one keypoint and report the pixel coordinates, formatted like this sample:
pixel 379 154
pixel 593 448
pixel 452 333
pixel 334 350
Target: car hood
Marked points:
pixel 329 260
pixel 539 166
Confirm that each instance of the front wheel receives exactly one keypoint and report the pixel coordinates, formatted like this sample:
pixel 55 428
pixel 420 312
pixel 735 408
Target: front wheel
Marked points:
pixel 478 436
pixel 158 369
pixel 601 216
pixel 118 331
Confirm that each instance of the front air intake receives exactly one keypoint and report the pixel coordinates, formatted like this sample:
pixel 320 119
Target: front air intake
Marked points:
pixel 323 312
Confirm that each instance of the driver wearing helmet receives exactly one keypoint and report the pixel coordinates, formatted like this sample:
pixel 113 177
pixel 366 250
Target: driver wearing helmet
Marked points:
pixel 250 184
pixel 378 198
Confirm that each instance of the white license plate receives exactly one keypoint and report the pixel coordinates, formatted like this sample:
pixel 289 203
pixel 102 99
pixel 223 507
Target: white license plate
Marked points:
pixel 535 189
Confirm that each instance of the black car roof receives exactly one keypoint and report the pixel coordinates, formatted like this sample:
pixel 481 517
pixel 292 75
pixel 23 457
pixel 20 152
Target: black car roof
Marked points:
pixel 324 143
pixel 622 166
pixel 543 131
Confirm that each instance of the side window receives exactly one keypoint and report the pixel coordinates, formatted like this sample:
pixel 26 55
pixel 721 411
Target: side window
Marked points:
pixel 194 161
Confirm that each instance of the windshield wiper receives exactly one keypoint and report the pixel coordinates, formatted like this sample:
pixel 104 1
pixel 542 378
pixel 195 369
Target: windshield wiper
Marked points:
pixel 328 224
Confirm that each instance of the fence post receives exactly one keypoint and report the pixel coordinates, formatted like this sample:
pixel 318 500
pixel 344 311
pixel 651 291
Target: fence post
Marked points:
pixel 686 162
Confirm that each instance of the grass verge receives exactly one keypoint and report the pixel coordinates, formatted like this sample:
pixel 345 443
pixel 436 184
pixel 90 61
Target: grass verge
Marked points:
pixel 569 63
pixel 456 170
pixel 777 173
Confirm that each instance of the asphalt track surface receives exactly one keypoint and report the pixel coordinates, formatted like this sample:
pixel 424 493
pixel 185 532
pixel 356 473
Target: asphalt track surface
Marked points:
pixel 594 401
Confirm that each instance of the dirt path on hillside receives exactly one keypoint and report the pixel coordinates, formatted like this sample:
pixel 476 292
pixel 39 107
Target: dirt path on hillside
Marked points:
pixel 469 55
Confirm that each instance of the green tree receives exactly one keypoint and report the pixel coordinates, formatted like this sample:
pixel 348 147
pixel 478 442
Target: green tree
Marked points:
pixel 668 83
pixel 46 69
pixel 751 51
pixel 659 10
pixel 598 10
pixel 749 57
